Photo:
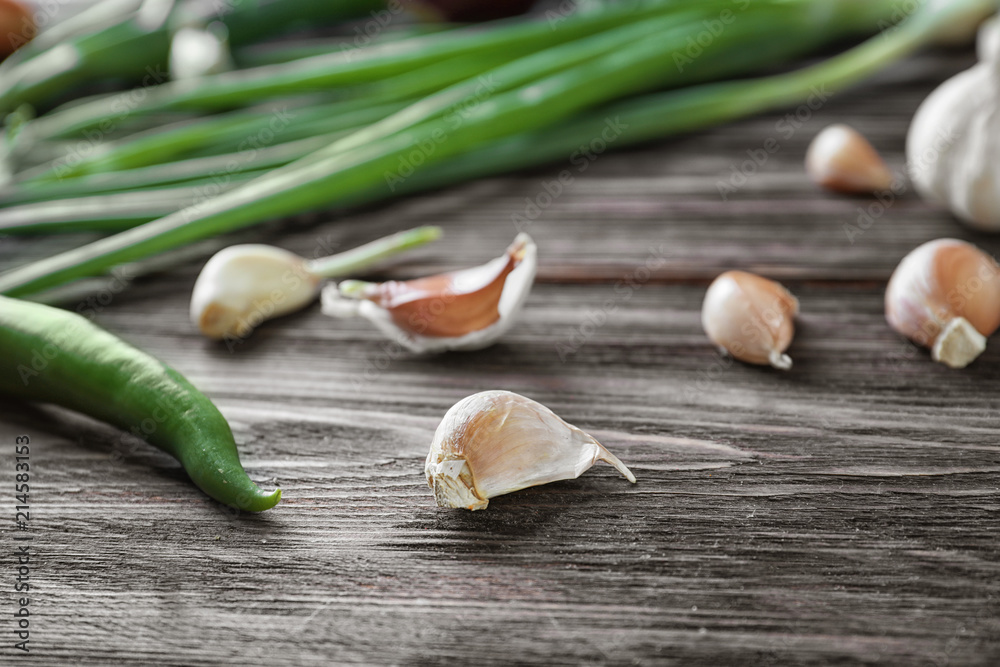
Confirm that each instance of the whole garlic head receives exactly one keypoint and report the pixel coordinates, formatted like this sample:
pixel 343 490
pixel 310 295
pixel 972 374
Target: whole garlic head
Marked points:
pixel 953 146
pixel 945 295
pixel 459 310
pixel 498 442
pixel 750 317
pixel 243 285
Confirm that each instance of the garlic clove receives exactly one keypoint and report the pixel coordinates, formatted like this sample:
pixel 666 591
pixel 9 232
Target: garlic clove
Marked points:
pixel 751 318
pixel 954 139
pixel 243 285
pixel 498 442
pixel 841 159
pixel 460 310
pixel 945 295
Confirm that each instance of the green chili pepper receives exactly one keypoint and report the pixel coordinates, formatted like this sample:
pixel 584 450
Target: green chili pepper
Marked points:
pixel 54 356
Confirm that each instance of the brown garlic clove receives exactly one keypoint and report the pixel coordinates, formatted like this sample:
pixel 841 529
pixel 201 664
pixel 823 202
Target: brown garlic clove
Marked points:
pixel 751 318
pixel 841 159
pixel 459 310
pixel 498 442
pixel 945 295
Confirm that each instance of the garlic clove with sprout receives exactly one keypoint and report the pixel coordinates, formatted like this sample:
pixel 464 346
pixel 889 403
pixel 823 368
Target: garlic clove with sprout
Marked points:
pixel 243 285
pixel 498 442
pixel 751 318
pixel 841 159
pixel 467 309
pixel 945 295
pixel 953 145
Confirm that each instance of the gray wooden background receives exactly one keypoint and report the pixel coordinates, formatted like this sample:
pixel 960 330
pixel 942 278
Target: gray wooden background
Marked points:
pixel 845 512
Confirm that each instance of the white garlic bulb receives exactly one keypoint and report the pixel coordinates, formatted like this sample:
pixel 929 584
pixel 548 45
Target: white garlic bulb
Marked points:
pixel 497 442
pixel 751 318
pixel 945 295
pixel 459 310
pixel 243 285
pixel 841 159
pixel 953 146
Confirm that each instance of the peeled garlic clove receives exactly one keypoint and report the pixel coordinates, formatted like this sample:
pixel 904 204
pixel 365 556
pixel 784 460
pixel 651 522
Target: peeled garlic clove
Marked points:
pixel 953 146
pixel 841 159
pixel 497 442
pixel 460 310
pixel 751 318
pixel 243 285
pixel 945 295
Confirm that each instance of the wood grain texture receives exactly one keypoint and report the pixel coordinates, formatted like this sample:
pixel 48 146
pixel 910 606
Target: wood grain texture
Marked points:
pixel 846 512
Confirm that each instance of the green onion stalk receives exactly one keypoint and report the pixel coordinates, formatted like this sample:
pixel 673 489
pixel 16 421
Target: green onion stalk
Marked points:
pixel 357 67
pixel 528 124
pixel 131 40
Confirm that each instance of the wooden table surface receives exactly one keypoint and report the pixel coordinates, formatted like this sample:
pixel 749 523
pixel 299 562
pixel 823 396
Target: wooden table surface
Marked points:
pixel 845 512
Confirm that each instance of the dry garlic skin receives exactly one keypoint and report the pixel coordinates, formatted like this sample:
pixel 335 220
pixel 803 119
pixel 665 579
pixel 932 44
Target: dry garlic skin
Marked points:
pixel 468 309
pixel 939 289
pixel 498 442
pixel 750 317
pixel 471 300
pixel 841 159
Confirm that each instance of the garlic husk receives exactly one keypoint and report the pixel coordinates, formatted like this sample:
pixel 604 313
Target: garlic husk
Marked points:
pixel 751 318
pixel 841 159
pixel 243 285
pixel 498 442
pixel 953 146
pixel 945 295
pixel 411 331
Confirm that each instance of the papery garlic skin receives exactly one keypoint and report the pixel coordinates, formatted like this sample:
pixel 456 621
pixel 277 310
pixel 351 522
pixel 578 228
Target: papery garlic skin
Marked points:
pixel 841 159
pixel 750 317
pixel 953 146
pixel 945 295
pixel 517 285
pixel 243 285
pixel 498 442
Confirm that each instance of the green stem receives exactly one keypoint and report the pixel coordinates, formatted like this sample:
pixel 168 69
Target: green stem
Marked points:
pixel 368 65
pixel 362 257
pixel 360 171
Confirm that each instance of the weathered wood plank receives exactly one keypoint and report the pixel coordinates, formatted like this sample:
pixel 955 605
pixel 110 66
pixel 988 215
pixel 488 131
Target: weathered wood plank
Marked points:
pixel 830 513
